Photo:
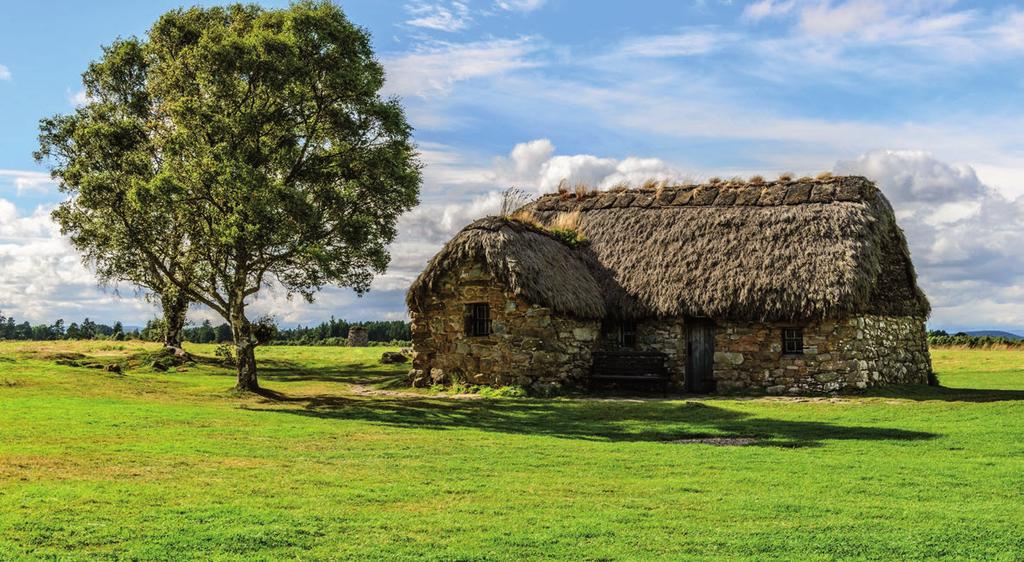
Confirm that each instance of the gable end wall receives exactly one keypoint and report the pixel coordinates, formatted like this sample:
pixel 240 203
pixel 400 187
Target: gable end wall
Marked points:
pixel 530 345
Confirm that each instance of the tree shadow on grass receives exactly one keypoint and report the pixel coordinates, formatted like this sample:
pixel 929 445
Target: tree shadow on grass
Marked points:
pixel 583 419
pixel 377 376
pixel 923 393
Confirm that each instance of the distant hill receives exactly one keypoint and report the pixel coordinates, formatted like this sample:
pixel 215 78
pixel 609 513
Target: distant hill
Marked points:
pixel 995 334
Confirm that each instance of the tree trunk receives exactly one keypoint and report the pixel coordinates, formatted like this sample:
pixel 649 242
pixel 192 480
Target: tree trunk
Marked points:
pixel 245 351
pixel 247 369
pixel 175 307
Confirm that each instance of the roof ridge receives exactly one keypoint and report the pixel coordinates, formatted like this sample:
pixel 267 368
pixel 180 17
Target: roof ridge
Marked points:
pixel 779 192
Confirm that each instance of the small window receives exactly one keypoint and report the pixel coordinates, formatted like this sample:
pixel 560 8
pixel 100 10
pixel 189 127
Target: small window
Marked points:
pixel 621 334
pixel 793 340
pixel 628 337
pixel 478 320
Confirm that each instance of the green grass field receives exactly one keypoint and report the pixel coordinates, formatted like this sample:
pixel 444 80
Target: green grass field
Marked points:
pixel 346 463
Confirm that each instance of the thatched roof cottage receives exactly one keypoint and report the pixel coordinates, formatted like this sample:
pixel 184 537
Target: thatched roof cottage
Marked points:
pixel 783 286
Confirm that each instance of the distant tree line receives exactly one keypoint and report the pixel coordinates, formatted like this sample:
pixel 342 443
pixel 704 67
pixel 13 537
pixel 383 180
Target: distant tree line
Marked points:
pixel 941 338
pixel 11 329
pixel 332 332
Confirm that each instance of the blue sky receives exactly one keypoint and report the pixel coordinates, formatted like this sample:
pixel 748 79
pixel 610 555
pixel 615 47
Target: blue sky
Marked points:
pixel 923 96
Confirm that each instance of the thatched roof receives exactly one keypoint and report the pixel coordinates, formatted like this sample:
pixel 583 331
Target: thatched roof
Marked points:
pixel 782 250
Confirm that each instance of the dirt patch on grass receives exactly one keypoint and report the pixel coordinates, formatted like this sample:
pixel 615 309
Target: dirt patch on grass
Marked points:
pixel 361 390
pixel 717 441
pixel 58 356
pixel 29 468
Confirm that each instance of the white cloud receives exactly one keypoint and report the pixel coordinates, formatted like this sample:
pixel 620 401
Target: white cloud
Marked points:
pixel 534 165
pixel 1010 31
pixel 79 98
pixel 5 73
pixel 520 5
pixel 926 25
pixel 827 19
pixel 678 45
pixel 1008 179
pixel 762 9
pixel 25 181
pixel 526 159
pixel 441 17
pixel 43 277
pixel 916 177
pixel 434 68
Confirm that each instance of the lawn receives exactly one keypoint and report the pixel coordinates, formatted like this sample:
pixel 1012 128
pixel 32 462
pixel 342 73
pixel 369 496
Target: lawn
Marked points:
pixel 346 463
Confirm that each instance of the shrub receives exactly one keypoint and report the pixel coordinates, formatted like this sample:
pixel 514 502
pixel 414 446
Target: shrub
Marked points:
pixel 225 354
pixel 504 392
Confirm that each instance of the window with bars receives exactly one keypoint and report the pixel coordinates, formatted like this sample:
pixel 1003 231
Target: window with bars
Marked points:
pixel 622 334
pixel 478 320
pixel 793 340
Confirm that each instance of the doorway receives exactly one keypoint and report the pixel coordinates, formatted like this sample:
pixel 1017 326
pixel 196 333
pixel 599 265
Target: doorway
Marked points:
pixel 700 356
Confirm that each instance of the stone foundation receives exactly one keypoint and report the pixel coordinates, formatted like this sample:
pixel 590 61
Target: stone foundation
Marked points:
pixel 533 347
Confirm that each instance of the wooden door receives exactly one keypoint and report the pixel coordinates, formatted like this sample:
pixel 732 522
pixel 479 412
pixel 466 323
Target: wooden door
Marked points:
pixel 700 356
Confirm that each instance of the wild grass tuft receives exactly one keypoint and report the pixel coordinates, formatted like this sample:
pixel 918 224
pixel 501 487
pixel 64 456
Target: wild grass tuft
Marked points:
pixel 566 221
pixel 526 216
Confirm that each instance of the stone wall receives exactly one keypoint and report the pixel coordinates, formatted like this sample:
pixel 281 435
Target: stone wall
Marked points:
pixel 529 345
pixel 850 354
pixel 669 337
pixel 533 347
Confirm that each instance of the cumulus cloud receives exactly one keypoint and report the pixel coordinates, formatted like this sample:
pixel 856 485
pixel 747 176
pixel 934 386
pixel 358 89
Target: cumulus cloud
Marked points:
pixel 534 165
pixel 43 277
pixel 915 176
pixel 5 73
pixel 965 236
pixel 441 17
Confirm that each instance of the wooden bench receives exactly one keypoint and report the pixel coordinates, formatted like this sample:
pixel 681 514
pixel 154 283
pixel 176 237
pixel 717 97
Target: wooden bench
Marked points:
pixel 631 367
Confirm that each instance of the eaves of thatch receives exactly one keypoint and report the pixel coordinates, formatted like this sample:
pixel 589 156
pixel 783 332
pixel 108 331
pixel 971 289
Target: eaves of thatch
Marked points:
pixel 778 251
